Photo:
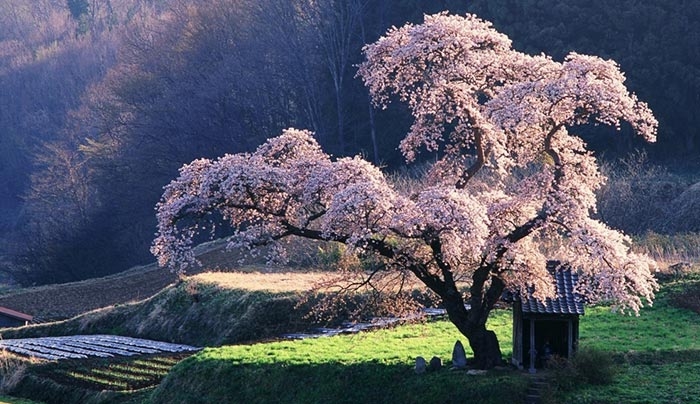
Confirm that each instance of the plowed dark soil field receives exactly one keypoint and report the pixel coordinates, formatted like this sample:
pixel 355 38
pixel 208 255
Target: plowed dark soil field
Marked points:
pixel 57 302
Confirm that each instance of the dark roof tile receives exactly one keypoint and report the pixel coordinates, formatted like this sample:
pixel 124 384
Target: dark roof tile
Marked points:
pixel 566 300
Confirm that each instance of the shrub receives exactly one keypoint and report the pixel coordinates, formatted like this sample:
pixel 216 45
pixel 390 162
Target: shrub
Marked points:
pixel 590 366
pixel 595 366
pixel 638 196
pixel 565 376
pixel 688 297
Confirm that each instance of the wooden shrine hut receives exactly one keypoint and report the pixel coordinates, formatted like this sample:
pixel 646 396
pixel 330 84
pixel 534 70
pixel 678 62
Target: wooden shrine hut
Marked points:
pixel 543 329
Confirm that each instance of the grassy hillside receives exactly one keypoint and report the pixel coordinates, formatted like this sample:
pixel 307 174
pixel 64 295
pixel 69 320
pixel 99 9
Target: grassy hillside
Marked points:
pixel 203 310
pixel 656 356
pixel 369 367
pixel 660 348
pixel 62 301
pixel 57 302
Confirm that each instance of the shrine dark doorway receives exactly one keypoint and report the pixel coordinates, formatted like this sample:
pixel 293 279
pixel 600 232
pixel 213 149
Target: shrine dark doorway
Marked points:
pixel 551 338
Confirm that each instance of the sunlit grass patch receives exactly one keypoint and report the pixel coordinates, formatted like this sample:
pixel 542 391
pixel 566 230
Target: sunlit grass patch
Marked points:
pixel 398 345
pixel 657 328
pixel 256 281
pixel 373 366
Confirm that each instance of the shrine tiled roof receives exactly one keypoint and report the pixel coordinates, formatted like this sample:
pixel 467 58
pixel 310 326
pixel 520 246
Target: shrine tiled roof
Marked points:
pixel 567 301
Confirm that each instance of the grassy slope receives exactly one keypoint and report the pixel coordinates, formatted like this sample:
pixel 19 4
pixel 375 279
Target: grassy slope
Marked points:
pixel 62 301
pixel 203 310
pixel 658 355
pixel 368 367
pixel 660 348
pixel 55 302
pixel 192 312
pixel 206 309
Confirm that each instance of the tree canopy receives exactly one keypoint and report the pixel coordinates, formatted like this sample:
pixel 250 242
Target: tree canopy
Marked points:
pixel 512 187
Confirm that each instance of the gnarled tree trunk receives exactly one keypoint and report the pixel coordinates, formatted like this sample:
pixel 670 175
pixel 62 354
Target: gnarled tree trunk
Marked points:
pixel 487 351
pixel 471 320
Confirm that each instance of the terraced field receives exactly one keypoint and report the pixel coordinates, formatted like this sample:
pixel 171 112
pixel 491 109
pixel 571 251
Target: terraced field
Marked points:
pixel 124 374
pixel 119 375
pixel 86 346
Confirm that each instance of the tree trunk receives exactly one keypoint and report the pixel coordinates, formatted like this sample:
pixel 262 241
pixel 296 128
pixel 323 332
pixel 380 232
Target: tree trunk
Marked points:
pixel 483 342
pixel 487 351
pixel 472 324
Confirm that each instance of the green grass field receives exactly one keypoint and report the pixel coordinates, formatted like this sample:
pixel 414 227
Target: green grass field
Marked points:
pixel 657 354
pixel 367 367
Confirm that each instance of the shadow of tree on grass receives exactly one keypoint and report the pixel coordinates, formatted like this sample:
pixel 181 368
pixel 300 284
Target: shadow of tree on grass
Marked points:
pixel 207 381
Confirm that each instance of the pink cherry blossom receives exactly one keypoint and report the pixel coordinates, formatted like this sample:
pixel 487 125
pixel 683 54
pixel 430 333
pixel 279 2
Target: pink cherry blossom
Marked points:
pixel 512 189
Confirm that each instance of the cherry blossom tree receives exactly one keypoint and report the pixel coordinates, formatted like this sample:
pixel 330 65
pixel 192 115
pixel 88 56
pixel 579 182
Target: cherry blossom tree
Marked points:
pixel 512 188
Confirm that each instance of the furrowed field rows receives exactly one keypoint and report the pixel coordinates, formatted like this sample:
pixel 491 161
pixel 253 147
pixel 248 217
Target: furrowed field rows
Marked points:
pixel 85 346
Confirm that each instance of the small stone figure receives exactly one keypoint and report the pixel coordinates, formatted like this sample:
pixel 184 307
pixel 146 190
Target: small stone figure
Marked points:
pixel 459 356
pixel 546 353
pixel 435 364
pixel 420 365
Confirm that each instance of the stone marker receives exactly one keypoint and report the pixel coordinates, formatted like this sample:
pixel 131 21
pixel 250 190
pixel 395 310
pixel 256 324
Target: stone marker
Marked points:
pixel 459 357
pixel 420 365
pixel 435 364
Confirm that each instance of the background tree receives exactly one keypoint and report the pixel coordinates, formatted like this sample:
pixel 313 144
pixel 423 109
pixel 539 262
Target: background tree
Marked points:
pixel 193 80
pixel 511 189
pixel 45 70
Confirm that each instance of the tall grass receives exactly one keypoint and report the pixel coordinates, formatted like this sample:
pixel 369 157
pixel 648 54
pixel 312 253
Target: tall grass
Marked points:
pixel 669 248
pixel 12 370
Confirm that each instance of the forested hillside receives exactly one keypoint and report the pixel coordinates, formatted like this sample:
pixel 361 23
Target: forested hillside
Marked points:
pixel 102 101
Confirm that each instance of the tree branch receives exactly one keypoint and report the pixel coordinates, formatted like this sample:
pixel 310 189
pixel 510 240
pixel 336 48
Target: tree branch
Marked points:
pixel 471 171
